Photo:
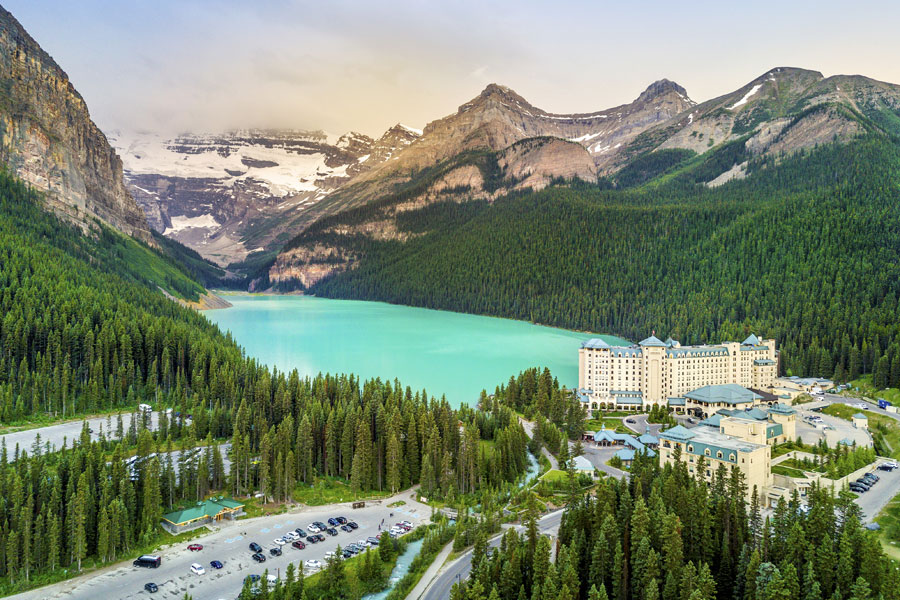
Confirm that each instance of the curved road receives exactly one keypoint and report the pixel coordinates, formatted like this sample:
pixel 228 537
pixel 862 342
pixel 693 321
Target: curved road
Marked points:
pixel 459 569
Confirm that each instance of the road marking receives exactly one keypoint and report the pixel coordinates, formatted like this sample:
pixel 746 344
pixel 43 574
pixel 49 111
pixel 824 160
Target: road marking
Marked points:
pixel 265 530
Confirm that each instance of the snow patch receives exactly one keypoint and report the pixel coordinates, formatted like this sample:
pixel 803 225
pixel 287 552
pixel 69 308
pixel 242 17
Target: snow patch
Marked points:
pixel 584 138
pixel 746 97
pixel 411 129
pixel 182 222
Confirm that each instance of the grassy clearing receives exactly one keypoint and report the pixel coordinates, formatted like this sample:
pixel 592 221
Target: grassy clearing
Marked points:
pixel 889 535
pixel 329 490
pixel 868 390
pixel 555 476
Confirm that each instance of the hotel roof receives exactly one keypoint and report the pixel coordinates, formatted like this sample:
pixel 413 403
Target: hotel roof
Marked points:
pixel 860 416
pixel 728 393
pixel 653 341
pixel 703 437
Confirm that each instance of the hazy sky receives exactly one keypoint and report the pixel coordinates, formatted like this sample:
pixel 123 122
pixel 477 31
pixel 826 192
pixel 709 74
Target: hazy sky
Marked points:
pixel 337 65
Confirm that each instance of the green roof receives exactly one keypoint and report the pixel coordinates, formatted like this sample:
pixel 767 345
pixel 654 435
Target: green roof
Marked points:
pixel 729 393
pixel 652 341
pixel 208 508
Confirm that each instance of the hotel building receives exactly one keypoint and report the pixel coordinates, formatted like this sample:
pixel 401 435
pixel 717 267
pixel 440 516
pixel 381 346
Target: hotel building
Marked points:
pixel 654 372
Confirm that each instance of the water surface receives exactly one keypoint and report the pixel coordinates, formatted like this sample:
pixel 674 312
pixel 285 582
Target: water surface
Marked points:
pixel 447 353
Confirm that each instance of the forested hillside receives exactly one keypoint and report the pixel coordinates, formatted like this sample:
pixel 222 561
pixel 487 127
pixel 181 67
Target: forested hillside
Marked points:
pixel 804 250
pixel 85 329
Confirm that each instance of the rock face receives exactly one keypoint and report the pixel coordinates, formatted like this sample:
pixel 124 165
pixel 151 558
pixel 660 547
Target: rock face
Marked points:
pixel 50 141
pixel 228 195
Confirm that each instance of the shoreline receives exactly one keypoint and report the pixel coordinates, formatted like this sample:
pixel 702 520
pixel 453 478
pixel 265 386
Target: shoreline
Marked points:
pixel 442 310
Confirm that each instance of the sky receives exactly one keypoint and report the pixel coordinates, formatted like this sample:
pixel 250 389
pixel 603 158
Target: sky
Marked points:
pixel 208 65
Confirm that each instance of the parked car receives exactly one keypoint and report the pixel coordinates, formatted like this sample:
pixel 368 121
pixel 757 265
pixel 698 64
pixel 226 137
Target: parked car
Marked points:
pixel 320 537
pixel 346 528
pixel 259 557
pixel 331 531
pixel 861 482
pixel 255 547
pixel 276 551
pixel 313 528
pixel 859 489
pixel 197 569
pixel 299 545
pixel 279 541
pixel 322 526
pixel 353 524
pixel 151 587
pixel 195 547
pixel 341 520
pixel 332 521
pixel 888 466
pixel 372 541
pixel 216 564
pixel 347 553
pixel 313 564
pixel 301 532
pixel 252 578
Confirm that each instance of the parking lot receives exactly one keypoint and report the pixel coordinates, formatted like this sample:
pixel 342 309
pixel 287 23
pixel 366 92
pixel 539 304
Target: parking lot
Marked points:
pixel 230 545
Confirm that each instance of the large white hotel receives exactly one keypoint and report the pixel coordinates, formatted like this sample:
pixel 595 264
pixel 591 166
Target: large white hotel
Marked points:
pixel 653 372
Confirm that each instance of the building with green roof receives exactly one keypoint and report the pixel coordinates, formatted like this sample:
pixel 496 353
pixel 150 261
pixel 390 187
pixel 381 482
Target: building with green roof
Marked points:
pixel 207 511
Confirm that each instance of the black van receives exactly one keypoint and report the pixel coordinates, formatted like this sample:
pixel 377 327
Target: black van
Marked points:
pixel 148 560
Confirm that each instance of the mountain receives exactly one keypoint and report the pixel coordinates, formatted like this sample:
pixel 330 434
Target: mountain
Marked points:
pixel 50 141
pixel 780 112
pixel 232 194
pixel 499 143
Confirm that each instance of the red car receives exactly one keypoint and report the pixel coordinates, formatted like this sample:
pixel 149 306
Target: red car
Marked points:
pixel 195 547
pixel 299 545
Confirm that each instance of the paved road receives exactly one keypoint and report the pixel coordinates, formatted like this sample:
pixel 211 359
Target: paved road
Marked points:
pixel 230 545
pixel 68 431
pixel 639 424
pixel 459 570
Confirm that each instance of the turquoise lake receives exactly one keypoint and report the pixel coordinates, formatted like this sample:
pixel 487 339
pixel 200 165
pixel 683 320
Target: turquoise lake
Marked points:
pixel 447 353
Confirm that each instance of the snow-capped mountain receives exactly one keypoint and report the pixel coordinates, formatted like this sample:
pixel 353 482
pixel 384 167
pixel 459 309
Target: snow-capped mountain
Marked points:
pixel 230 194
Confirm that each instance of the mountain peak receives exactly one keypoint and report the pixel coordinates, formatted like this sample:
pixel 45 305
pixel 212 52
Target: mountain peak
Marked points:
pixel 661 88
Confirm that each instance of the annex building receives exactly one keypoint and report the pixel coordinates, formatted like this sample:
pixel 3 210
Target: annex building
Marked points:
pixel 654 372
pixel 736 438
pixel 208 511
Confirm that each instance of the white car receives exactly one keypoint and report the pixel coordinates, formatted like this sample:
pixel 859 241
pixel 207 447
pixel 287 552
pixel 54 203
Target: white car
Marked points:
pixel 272 579
pixel 313 564
pixel 197 569
pixel 291 536
pixel 313 528
pixel 279 541
pixel 329 555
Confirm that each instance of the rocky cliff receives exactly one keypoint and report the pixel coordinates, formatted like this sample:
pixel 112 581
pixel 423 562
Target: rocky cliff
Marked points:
pixel 47 138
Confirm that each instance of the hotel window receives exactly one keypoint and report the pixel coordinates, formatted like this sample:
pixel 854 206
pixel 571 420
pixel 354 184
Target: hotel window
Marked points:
pixel 707 452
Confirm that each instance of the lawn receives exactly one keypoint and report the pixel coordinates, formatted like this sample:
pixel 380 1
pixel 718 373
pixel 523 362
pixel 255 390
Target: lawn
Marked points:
pixel 787 471
pixel 885 430
pixel 793 463
pixel 328 490
pixel 555 476
pixel 612 424
pixel 889 535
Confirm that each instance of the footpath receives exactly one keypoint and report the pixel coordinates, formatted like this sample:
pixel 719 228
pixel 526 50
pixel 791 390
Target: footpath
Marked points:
pixel 431 573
